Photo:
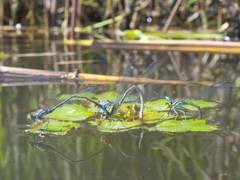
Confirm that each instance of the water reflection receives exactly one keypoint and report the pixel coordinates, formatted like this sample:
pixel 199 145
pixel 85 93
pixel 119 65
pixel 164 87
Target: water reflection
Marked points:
pixel 41 144
pixel 132 154
pixel 135 154
pixel 167 156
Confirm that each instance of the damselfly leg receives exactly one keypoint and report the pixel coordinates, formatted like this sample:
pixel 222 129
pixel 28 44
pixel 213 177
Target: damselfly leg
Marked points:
pixel 140 96
pixel 115 106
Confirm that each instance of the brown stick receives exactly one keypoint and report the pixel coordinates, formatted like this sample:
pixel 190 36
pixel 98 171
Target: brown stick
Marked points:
pixel 164 6
pixel 42 74
pixel 73 19
pixel 173 45
pixel 65 32
pixel 171 15
pixel 41 83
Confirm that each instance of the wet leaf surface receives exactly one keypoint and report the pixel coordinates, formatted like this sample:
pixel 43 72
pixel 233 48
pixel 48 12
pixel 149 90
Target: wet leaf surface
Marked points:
pixel 70 112
pixel 53 127
pixel 201 103
pixel 183 126
pixel 117 126
pixel 160 105
pixel 155 117
pixel 110 96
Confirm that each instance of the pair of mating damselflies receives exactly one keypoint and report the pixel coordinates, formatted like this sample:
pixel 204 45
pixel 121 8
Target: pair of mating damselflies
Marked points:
pixel 109 108
pixel 108 113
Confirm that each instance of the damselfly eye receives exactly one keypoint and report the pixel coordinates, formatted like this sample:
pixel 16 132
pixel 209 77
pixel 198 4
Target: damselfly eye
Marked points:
pixel 30 116
pixel 167 105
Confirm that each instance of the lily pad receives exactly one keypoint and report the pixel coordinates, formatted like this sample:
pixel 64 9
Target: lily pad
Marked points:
pixel 126 111
pixel 150 117
pixel 159 104
pixel 53 127
pixel 182 126
pixel 70 112
pixel 117 126
pixel 111 96
pixel 201 103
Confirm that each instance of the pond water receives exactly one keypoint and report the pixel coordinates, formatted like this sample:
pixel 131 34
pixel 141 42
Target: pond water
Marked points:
pixel 87 153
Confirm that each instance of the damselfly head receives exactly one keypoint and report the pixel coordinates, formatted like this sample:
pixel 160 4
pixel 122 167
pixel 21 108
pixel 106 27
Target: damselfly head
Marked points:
pixel 167 105
pixel 31 116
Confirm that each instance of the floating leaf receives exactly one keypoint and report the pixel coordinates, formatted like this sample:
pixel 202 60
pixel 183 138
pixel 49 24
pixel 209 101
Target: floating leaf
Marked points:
pixel 158 105
pixel 183 126
pixel 201 103
pixel 106 96
pixel 53 127
pixel 154 116
pixel 126 112
pixel 117 126
pixel 70 112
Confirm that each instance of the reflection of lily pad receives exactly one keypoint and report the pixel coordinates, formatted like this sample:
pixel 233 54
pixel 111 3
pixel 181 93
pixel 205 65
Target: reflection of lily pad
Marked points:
pixel 54 127
pixel 106 126
pixel 182 126
pixel 70 112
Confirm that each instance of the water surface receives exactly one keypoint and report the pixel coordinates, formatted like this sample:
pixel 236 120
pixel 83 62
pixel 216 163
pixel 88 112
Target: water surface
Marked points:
pixel 136 154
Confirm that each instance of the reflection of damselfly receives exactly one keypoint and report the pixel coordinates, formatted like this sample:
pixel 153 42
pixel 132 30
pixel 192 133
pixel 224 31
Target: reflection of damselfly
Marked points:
pixel 47 148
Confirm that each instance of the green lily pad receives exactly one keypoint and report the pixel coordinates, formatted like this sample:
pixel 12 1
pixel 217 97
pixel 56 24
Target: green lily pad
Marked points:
pixel 159 104
pixel 125 108
pixel 182 126
pixel 126 111
pixel 150 117
pixel 53 127
pixel 201 103
pixel 117 126
pixel 111 96
pixel 70 112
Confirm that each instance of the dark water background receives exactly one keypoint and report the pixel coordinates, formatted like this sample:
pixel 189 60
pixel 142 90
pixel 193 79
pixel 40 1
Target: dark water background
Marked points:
pixel 157 155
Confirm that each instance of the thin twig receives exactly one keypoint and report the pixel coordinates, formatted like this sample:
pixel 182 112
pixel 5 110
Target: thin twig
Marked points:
pixel 47 75
pixel 171 15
